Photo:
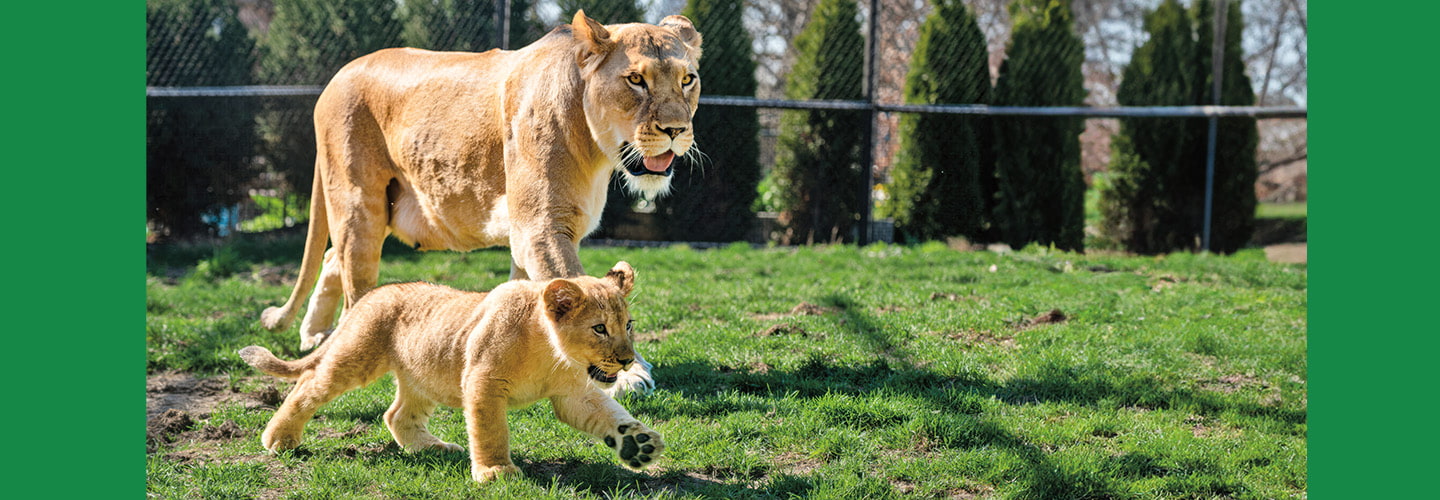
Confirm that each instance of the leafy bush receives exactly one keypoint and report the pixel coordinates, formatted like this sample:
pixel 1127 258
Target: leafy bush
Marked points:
pixel 938 186
pixel 1041 190
pixel 196 160
pixel 711 196
pixel 819 157
pixel 1156 203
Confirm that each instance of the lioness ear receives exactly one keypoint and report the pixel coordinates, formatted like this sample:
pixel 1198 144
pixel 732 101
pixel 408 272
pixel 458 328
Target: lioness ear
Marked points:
pixel 562 297
pixel 682 26
pixel 591 34
pixel 623 276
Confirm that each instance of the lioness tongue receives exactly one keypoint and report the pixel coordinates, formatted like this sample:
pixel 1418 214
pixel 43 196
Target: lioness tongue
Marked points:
pixel 659 163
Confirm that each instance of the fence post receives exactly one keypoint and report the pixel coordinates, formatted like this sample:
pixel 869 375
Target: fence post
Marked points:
pixel 1217 65
pixel 502 11
pixel 871 46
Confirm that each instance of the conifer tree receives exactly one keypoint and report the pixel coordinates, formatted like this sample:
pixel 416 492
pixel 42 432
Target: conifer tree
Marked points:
pixel 1156 199
pixel 1150 151
pixel 1233 204
pixel 936 189
pixel 199 152
pixel 1041 196
pixel 819 157
pixel 465 25
pixel 711 193
pixel 307 43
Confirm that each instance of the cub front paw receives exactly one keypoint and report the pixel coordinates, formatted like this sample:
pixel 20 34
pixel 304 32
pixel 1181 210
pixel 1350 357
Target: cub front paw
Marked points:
pixel 636 445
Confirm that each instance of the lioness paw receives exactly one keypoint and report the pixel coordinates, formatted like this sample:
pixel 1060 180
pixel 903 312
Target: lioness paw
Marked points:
pixel 485 474
pixel 636 379
pixel 636 445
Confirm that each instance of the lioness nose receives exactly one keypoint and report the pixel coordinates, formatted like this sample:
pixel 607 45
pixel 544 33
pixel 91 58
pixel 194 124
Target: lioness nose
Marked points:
pixel 672 131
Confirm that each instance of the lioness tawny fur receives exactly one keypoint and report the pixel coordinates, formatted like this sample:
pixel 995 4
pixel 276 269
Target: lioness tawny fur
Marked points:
pixel 564 339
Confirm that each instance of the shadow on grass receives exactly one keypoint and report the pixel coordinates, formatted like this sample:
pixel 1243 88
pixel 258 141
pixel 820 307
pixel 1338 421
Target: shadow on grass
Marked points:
pixel 705 388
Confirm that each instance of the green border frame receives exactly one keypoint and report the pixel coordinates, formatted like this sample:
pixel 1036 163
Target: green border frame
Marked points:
pixel 1372 326
pixel 76 74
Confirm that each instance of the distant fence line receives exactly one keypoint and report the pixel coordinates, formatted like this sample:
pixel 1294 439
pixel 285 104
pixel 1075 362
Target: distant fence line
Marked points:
pixel 1258 112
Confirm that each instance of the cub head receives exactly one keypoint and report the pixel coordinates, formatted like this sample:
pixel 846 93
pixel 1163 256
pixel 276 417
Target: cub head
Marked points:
pixel 590 321
pixel 642 88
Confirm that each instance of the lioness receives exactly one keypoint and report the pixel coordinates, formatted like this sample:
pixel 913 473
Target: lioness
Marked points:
pixel 457 151
pixel 484 352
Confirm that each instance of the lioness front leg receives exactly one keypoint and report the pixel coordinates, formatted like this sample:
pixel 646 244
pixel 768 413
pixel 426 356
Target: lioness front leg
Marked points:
pixel 324 303
pixel 597 414
pixel 489 434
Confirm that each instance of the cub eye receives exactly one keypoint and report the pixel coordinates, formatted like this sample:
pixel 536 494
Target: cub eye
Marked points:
pixel 636 80
pixel 687 80
pixel 600 329
pixel 630 325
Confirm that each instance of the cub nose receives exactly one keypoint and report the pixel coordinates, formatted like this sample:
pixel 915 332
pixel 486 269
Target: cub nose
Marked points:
pixel 625 363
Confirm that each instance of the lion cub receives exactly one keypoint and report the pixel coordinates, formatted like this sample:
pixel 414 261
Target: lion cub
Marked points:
pixel 484 352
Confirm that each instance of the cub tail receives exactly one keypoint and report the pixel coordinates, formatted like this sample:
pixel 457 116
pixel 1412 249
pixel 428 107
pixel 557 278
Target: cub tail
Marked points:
pixel 263 360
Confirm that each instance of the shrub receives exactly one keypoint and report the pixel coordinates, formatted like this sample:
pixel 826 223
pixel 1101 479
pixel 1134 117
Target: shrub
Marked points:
pixel 937 190
pixel 1157 201
pixel 819 157
pixel 198 152
pixel 1041 190
pixel 711 195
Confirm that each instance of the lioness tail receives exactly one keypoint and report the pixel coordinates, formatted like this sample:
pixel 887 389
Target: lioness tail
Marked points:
pixel 262 359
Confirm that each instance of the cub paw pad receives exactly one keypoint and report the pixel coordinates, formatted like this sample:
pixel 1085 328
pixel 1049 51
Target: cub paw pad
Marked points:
pixel 636 445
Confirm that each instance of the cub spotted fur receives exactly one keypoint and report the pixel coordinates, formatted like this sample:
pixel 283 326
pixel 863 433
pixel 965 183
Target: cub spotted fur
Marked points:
pixel 564 339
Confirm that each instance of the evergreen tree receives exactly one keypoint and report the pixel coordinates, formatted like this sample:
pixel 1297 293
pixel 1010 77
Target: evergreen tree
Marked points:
pixel 465 25
pixel 1149 152
pixel 819 159
pixel 1233 202
pixel 199 151
pixel 936 189
pixel 307 43
pixel 525 24
pixel 711 194
pixel 604 11
pixel 1041 196
pixel 1156 201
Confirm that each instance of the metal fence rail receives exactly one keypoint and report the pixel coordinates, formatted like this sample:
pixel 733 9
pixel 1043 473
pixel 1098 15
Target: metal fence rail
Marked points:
pixel 259 65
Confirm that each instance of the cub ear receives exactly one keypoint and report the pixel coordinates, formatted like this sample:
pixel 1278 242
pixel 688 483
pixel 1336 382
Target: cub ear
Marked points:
pixel 623 277
pixel 682 26
pixel 591 34
pixel 562 297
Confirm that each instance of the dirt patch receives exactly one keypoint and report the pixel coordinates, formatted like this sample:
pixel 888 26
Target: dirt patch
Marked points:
pixel 1231 383
pixel 1287 253
pixel 654 337
pixel 780 329
pixel 176 403
pixel 976 337
pixel 954 297
pixel 802 309
pixel 1053 316
pixel 808 309
pixel 188 393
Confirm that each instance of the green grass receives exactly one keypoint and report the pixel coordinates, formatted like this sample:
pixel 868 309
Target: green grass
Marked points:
pixel 1172 377
pixel 1295 210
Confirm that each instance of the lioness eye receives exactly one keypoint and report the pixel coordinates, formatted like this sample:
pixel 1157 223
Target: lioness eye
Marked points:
pixel 636 79
pixel 687 80
pixel 600 329
pixel 630 325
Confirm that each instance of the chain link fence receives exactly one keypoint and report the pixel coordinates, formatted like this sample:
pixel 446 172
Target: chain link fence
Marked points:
pixel 232 84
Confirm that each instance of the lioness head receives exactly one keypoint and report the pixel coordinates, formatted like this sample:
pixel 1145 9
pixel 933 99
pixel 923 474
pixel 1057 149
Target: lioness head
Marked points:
pixel 643 85
pixel 591 323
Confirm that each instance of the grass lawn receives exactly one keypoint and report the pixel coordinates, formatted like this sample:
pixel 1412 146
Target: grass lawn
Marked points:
pixel 832 372
pixel 1296 210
